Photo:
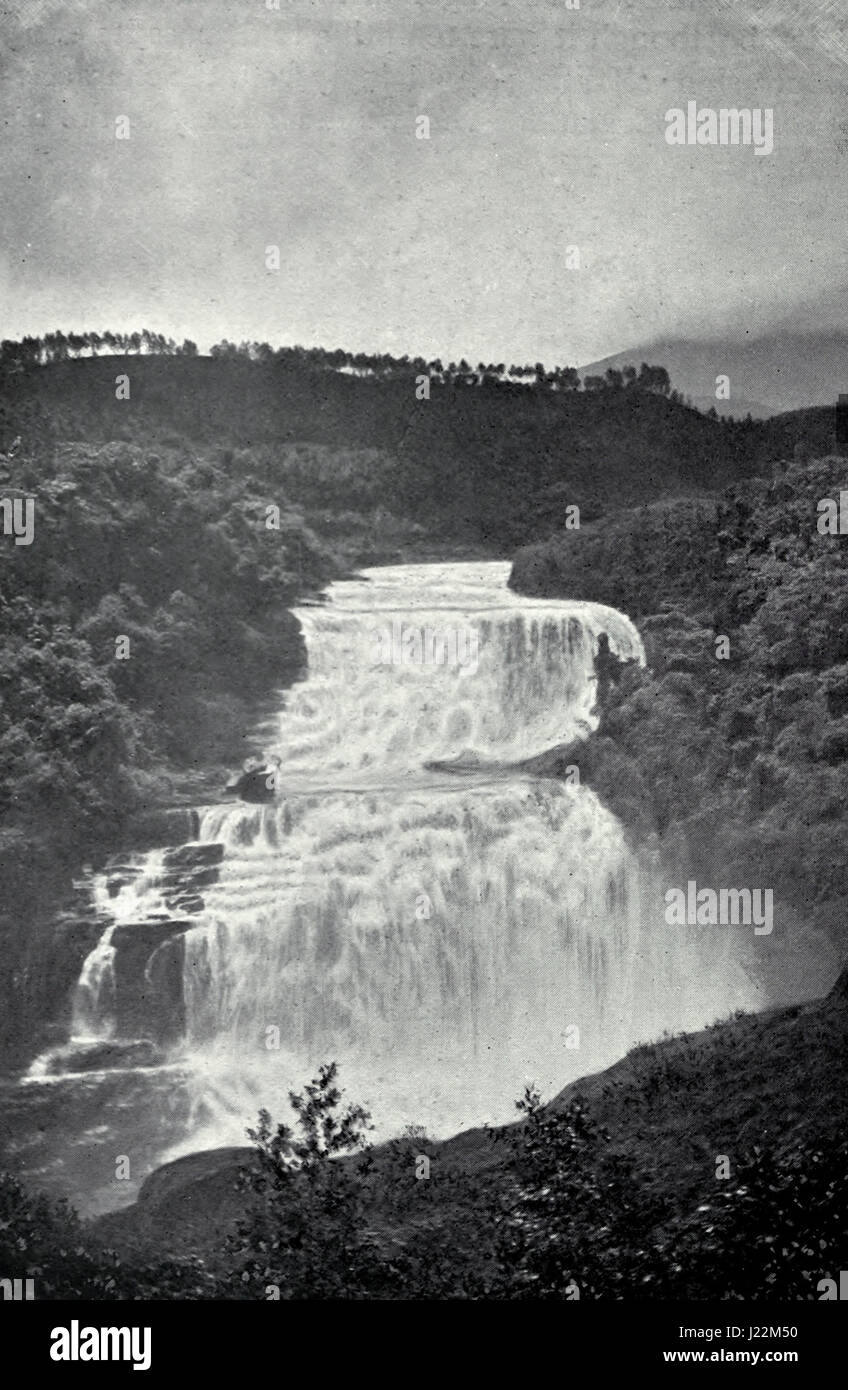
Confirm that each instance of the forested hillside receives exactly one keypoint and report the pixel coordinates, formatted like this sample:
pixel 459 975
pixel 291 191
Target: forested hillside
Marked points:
pixel 483 457
pixel 734 753
pixel 143 627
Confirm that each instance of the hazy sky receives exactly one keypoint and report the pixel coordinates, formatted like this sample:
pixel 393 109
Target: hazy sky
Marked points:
pixel 251 127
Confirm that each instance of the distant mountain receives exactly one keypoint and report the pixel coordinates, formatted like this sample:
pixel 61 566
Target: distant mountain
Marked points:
pixel 769 374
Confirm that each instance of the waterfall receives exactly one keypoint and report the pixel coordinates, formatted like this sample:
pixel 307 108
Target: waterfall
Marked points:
pixel 94 997
pixel 446 938
pixel 522 682
pixel 415 903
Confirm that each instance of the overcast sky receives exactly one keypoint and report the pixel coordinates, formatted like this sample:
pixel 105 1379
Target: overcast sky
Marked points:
pixel 251 127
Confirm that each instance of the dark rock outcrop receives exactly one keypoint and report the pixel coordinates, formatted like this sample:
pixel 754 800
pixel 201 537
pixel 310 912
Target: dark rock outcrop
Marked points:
pixel 104 1056
pixel 194 856
pixel 256 785
pixel 188 1204
pixel 148 973
pixel 164 825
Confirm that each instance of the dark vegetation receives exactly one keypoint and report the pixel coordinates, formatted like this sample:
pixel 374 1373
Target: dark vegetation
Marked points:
pixel 492 458
pixel 738 765
pixel 171 550
pixel 61 347
pixel 708 1166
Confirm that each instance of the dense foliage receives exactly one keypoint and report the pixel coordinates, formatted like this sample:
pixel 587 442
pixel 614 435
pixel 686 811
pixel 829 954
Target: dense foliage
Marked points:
pixel 482 457
pixel 172 551
pixel 141 630
pixel 60 347
pixel 45 1241
pixel 735 754
pixel 555 1207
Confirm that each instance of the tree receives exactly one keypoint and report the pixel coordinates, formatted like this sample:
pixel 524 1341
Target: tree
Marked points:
pixel 568 379
pixel 46 1241
pixel 654 379
pixel 305 1232
pixel 571 1221
pixel 30 351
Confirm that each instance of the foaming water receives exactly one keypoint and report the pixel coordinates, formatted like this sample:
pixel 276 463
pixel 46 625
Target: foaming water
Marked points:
pixel 445 938
pixel 94 997
pixel 528 688
pixel 445 945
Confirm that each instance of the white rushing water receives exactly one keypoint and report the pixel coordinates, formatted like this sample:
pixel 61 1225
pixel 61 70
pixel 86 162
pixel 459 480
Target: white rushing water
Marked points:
pixel 445 936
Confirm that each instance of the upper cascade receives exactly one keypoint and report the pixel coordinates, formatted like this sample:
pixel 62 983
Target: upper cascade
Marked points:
pixel 415 663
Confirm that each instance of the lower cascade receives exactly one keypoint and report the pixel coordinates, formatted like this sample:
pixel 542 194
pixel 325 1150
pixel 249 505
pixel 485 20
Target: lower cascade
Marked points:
pixel 415 903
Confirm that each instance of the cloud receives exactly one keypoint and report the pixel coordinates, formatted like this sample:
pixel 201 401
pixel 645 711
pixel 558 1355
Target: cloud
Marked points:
pixel 252 127
pixel 30 14
pixel 800 33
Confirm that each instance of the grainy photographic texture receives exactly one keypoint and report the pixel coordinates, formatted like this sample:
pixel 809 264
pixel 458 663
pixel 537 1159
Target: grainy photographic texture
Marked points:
pixel 424 668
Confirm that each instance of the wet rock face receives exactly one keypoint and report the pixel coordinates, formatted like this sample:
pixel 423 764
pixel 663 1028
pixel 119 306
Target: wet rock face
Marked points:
pixel 120 874
pixel 147 1000
pixel 194 856
pixel 148 979
pixel 50 978
pixel 188 869
pixel 258 785
pixel 106 1056
pixel 50 923
pixel 169 825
